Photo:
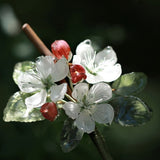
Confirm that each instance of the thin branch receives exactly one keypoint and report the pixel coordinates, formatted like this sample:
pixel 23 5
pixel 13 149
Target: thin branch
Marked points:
pixel 100 144
pixel 36 40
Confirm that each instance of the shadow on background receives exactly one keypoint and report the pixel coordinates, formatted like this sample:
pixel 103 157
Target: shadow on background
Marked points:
pixel 131 27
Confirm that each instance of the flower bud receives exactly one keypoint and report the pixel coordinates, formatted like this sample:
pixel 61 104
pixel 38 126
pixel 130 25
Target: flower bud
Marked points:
pixel 49 111
pixel 61 48
pixel 77 73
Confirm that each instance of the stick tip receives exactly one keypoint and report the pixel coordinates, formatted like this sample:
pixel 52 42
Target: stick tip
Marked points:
pixel 25 25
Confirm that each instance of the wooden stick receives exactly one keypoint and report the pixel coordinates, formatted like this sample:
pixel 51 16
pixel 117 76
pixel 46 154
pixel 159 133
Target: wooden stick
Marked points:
pixel 36 40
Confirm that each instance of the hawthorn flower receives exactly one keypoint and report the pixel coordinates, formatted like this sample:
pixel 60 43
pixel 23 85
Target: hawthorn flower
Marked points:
pixel 41 82
pixel 90 106
pixel 100 67
pixel 61 48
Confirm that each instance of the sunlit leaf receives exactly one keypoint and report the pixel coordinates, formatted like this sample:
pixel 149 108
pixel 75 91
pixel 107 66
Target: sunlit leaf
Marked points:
pixel 130 111
pixel 131 83
pixel 16 109
pixel 22 67
pixel 70 136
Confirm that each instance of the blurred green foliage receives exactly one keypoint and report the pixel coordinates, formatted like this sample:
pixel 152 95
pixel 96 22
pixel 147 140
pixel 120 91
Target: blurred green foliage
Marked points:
pixel 130 26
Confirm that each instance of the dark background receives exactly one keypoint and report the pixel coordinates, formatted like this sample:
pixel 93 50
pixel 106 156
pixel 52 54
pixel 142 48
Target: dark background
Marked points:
pixel 131 27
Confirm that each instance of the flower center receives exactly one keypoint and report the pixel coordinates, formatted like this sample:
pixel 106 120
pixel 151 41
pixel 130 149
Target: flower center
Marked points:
pixel 48 82
pixel 84 103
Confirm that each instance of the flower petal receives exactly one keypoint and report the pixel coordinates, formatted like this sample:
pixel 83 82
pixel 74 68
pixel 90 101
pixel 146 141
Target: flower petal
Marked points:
pixel 29 82
pixel 86 52
pixel 44 65
pixel 60 70
pixel 84 122
pixel 92 79
pixel 110 73
pixel 58 92
pixel 79 91
pixel 76 59
pixel 102 113
pixel 71 109
pixel 99 92
pixel 107 56
pixel 37 100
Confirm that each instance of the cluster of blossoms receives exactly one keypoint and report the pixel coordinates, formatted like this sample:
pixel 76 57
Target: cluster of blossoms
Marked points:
pixel 87 88
pixel 85 98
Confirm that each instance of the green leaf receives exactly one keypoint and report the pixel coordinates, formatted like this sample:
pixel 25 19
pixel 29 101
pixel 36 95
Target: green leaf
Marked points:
pixel 22 67
pixel 70 136
pixel 130 111
pixel 131 83
pixel 16 109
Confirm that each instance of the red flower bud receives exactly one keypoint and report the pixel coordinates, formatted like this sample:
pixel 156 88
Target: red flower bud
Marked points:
pixel 49 111
pixel 60 48
pixel 77 73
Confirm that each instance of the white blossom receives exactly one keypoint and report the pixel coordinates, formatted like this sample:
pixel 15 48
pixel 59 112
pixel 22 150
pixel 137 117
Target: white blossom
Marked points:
pixel 41 82
pixel 100 67
pixel 90 106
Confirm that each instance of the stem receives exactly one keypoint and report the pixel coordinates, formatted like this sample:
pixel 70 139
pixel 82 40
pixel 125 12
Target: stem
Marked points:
pixel 100 144
pixel 69 76
pixel 61 102
pixel 70 81
pixel 36 40
pixel 70 98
